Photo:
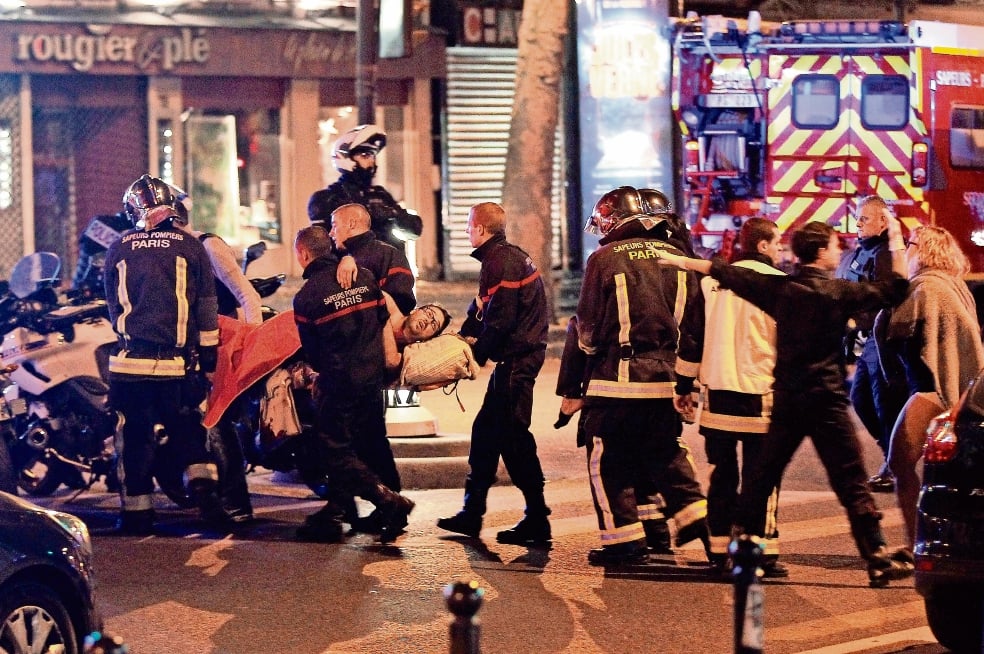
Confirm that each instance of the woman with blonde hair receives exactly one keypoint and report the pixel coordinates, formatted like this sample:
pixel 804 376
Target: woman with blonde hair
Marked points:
pixel 933 336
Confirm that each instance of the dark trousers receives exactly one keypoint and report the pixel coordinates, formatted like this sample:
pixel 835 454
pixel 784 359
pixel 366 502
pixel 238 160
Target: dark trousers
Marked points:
pixel 722 489
pixel 502 428
pixel 633 448
pixel 170 402
pixel 226 448
pixel 825 418
pixel 347 425
pixel 876 401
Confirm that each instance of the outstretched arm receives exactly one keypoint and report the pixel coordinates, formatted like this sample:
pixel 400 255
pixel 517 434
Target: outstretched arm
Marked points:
pixel 702 266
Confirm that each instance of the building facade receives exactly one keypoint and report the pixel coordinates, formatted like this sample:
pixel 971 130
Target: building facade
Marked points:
pixel 238 109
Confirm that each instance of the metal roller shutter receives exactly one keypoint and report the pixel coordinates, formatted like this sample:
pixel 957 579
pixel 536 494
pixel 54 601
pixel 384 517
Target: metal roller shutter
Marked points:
pixel 480 89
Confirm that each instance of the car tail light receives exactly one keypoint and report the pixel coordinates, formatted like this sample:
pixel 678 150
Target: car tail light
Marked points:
pixel 920 163
pixel 941 439
pixel 692 156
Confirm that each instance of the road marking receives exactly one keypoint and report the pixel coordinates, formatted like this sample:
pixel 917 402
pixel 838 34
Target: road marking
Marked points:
pixel 811 630
pixel 897 640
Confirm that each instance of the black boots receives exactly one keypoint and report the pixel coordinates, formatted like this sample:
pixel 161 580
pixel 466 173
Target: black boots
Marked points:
pixel 883 566
pixel 657 536
pixel 324 526
pixel 394 509
pixel 463 522
pixel 467 521
pixel 534 528
pixel 531 530
pixel 631 553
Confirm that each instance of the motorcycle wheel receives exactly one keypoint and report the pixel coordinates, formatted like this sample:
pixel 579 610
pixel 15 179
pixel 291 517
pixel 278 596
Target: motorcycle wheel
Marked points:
pixel 40 476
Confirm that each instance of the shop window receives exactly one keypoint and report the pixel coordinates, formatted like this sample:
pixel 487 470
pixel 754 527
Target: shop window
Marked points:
pixel 884 102
pixel 967 137
pixel 233 174
pixel 816 101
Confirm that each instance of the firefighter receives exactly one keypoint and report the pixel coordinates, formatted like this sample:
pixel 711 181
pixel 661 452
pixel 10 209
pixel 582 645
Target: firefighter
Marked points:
pixel 160 293
pixel 877 399
pixel 354 155
pixel 811 309
pixel 636 322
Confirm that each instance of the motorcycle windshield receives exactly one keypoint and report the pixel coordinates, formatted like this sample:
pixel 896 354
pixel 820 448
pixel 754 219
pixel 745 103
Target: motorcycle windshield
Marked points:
pixel 34 271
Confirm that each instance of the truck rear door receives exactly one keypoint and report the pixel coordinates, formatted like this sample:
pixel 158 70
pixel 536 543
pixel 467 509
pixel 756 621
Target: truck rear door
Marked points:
pixel 839 127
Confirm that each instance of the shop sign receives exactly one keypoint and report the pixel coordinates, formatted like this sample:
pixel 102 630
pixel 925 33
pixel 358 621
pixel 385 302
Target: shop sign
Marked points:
pixel 151 50
pixel 99 49
pixel 492 26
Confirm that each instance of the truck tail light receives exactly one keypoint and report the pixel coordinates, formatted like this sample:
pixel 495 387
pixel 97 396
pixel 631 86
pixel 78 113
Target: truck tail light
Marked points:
pixel 920 163
pixel 941 439
pixel 691 156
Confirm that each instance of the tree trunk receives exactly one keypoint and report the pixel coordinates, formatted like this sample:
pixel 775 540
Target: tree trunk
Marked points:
pixel 529 162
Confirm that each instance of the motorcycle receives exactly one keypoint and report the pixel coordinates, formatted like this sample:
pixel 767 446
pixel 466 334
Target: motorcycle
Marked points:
pixel 61 353
pixel 59 356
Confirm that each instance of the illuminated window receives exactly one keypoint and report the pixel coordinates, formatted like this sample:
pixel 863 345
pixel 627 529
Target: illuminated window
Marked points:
pixel 967 137
pixel 165 141
pixel 884 102
pixel 6 165
pixel 816 101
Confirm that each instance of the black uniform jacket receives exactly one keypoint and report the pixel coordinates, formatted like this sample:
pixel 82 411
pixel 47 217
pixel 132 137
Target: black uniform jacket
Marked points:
pixel 510 315
pixel 341 330
pixel 388 264
pixel 811 311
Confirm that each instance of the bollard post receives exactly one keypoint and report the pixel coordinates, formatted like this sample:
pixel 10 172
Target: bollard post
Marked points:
pixel 464 599
pixel 746 555
pixel 103 643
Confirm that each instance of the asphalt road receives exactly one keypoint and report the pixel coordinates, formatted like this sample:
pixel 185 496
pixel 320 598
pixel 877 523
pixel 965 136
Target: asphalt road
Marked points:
pixel 191 590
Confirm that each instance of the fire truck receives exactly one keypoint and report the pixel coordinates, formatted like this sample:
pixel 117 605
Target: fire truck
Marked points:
pixel 796 122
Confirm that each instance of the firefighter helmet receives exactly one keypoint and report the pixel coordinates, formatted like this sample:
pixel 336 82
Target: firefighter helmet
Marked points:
pixel 182 205
pixel 364 138
pixel 613 208
pixel 655 202
pixel 148 202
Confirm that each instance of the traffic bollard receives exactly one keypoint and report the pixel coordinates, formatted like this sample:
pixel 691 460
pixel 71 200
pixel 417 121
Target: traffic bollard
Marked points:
pixel 746 555
pixel 100 642
pixel 464 599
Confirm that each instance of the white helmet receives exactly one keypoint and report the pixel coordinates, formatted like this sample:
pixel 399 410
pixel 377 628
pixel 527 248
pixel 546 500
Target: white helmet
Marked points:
pixel 366 138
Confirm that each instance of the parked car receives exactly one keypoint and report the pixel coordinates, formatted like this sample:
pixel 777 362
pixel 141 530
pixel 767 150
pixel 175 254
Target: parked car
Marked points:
pixel 46 583
pixel 949 546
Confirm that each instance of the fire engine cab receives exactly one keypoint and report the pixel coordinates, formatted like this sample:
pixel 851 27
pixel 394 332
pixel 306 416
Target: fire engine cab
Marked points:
pixel 797 122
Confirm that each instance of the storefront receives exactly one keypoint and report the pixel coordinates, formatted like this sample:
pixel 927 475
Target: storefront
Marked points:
pixel 240 111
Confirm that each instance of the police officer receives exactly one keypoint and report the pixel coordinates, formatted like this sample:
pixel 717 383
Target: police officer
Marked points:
pixel 161 299
pixel 354 156
pixel 876 398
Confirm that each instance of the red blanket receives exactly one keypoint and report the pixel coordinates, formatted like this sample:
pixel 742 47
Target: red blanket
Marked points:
pixel 247 353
